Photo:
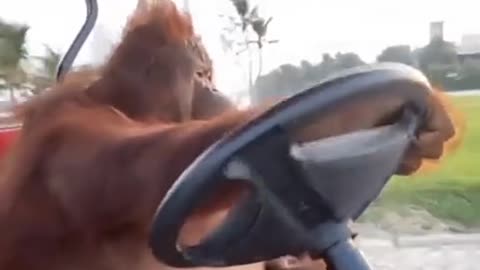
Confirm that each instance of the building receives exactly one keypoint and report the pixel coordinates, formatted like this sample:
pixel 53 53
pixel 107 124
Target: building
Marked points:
pixel 436 30
pixel 469 47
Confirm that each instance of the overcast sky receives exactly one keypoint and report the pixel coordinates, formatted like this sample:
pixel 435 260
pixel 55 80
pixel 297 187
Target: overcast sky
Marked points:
pixel 305 28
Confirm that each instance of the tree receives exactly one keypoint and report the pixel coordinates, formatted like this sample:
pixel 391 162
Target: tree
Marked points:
pixel 467 77
pixel 12 44
pixel 288 79
pixel 470 68
pixel 14 58
pixel 438 52
pixel 50 62
pixel 347 60
pixel 242 7
pixel 282 82
pixel 325 68
pixel 12 52
pixel 260 27
pixel 437 59
pixel 251 20
pixel 48 73
pixel 399 53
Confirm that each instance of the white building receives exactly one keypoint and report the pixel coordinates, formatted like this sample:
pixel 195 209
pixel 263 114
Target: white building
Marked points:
pixel 469 44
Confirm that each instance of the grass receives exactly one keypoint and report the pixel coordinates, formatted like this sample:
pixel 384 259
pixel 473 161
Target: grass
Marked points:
pixel 452 193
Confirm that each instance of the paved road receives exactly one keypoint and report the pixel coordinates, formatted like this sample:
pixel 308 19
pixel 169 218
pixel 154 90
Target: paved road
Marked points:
pixel 422 255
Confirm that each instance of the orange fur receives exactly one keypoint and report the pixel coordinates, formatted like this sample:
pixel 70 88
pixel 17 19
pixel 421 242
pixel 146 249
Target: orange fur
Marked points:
pixel 96 155
pixel 451 145
pixel 171 24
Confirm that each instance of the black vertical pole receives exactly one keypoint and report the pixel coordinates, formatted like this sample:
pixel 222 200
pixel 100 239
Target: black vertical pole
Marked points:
pixel 72 52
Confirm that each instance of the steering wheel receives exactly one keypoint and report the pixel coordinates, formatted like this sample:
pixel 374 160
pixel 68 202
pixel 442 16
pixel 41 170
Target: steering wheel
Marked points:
pixel 303 194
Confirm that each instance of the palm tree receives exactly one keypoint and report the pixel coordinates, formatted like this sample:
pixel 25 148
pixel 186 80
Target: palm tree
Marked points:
pixel 48 73
pixel 12 52
pixel 260 27
pixel 249 17
pixel 51 61
pixel 242 7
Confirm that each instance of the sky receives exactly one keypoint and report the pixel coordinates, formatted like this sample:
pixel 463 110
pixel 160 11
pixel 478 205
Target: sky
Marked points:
pixel 305 28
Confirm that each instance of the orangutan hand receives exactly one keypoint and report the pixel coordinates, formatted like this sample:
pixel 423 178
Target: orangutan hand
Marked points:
pixel 431 140
pixel 294 263
pixel 367 113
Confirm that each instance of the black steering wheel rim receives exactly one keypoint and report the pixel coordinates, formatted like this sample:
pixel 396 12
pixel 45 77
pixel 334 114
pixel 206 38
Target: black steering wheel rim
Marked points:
pixel 203 172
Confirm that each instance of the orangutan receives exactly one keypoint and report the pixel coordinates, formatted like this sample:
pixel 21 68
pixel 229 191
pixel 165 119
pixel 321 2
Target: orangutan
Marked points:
pixel 95 157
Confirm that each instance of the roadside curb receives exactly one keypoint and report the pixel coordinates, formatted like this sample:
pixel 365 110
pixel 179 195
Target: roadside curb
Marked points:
pixel 473 92
pixel 431 240
pixel 437 240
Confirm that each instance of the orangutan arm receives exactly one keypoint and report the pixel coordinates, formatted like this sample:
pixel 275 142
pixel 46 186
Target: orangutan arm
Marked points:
pixel 114 175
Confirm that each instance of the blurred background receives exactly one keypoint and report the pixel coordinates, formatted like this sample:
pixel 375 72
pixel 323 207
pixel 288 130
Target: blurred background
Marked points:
pixel 267 49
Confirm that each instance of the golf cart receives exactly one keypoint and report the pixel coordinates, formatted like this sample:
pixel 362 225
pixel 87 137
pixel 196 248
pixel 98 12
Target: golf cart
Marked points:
pixel 8 132
pixel 303 194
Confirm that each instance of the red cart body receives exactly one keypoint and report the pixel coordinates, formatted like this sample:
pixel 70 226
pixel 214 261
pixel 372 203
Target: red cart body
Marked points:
pixel 7 136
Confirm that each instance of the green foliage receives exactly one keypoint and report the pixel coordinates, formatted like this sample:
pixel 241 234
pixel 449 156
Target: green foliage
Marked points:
pixel 288 79
pixel 12 51
pixel 467 76
pixel 13 54
pixel 50 61
pixel 437 53
pixel 249 17
pixel 438 60
pixel 47 76
pixel 12 44
pixel 399 54
pixel 453 191
pixel 242 7
pixel 347 60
